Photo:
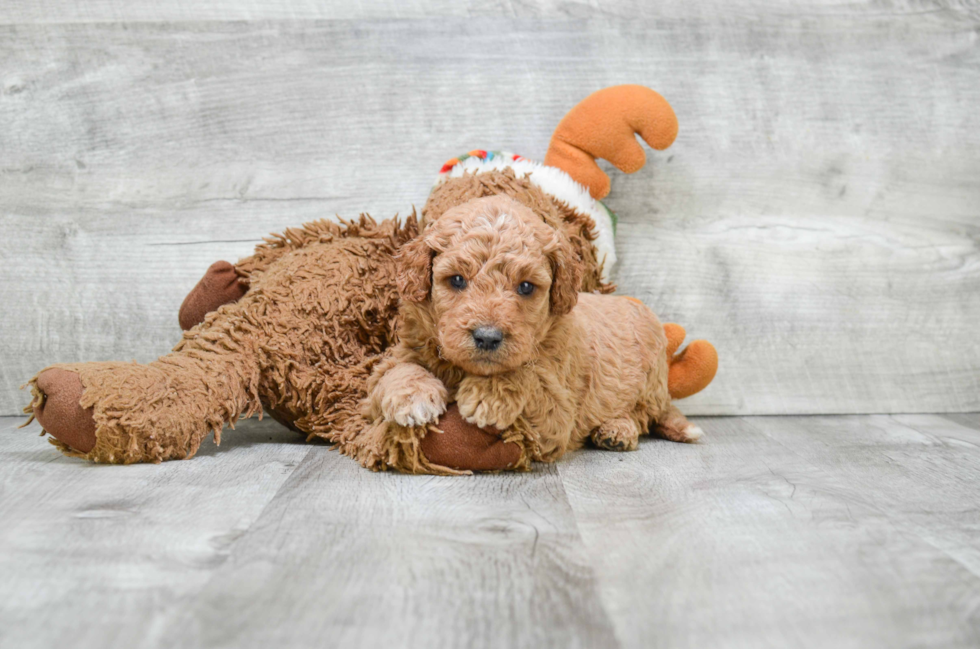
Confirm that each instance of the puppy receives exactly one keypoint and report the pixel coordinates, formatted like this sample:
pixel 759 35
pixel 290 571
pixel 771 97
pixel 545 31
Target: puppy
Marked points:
pixel 491 319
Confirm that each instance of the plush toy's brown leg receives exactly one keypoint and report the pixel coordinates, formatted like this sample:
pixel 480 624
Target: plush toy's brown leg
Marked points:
pixel 220 285
pixel 304 339
pixel 154 412
pixel 461 445
pixel 59 412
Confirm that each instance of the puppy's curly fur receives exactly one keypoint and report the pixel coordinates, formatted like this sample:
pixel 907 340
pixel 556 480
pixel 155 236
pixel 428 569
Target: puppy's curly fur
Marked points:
pixel 492 319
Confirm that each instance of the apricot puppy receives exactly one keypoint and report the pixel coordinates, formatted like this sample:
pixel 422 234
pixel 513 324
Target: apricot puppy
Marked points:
pixel 491 319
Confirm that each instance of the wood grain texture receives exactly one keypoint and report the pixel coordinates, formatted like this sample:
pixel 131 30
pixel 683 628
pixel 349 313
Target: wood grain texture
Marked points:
pixel 92 556
pixel 814 532
pixel 365 559
pixel 853 531
pixel 71 11
pixel 341 556
pixel 817 218
pixel 968 419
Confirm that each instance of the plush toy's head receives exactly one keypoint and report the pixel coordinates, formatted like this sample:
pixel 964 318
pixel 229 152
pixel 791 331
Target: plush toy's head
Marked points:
pixel 489 277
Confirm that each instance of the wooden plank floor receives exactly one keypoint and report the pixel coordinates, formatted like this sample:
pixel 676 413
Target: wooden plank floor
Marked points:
pixel 845 531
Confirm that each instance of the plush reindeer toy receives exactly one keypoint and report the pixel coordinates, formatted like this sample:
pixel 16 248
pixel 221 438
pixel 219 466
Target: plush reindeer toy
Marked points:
pixel 307 328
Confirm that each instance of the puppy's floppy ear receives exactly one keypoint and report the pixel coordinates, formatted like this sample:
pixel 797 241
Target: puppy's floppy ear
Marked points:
pixel 566 273
pixel 415 269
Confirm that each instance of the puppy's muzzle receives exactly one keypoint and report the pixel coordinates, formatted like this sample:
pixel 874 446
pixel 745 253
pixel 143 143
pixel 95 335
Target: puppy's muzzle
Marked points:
pixel 487 339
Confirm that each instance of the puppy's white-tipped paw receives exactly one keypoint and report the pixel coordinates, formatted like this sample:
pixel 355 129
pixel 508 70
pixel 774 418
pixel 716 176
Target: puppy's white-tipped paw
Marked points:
pixel 417 413
pixel 692 433
pixel 417 409
pixel 479 420
pixel 473 412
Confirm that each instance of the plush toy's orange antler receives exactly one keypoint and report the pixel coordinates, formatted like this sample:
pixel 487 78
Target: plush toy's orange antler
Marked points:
pixel 693 369
pixel 603 125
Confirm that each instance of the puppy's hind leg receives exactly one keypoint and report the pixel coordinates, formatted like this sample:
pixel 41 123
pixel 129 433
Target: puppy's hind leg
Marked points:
pixel 673 425
pixel 620 434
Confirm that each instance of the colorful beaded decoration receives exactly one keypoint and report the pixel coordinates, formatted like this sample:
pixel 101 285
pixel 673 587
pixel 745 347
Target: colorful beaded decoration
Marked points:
pixel 482 155
pixel 510 157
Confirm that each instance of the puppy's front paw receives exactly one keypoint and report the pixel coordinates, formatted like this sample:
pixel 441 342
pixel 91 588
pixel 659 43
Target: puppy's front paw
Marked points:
pixel 415 405
pixel 481 402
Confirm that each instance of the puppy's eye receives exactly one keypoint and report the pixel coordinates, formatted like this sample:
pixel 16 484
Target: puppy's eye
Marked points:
pixel 458 282
pixel 525 288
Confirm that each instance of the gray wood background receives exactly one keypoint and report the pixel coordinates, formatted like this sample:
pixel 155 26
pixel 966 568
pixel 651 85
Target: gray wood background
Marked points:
pixel 818 217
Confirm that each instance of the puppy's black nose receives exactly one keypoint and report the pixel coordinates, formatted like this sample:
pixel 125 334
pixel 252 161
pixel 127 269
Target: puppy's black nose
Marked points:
pixel 487 338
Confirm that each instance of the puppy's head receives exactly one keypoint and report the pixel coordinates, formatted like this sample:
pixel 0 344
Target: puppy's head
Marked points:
pixel 491 278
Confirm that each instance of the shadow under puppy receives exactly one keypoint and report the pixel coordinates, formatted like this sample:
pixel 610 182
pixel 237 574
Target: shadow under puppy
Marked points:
pixel 491 319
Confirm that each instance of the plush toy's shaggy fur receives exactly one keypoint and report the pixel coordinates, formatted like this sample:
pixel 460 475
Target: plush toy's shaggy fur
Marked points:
pixel 324 291
pixel 489 320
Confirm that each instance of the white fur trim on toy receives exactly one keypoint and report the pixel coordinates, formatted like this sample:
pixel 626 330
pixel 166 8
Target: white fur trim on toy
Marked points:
pixel 551 180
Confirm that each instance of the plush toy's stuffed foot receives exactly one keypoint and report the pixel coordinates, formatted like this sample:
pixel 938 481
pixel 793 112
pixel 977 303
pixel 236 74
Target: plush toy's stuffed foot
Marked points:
pixel 603 126
pixel 693 368
pixel 57 407
pixel 220 285
pixel 464 446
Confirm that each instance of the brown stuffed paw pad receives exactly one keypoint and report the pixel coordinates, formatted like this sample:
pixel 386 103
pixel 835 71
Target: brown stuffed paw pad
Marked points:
pixel 220 285
pixel 464 446
pixel 60 414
